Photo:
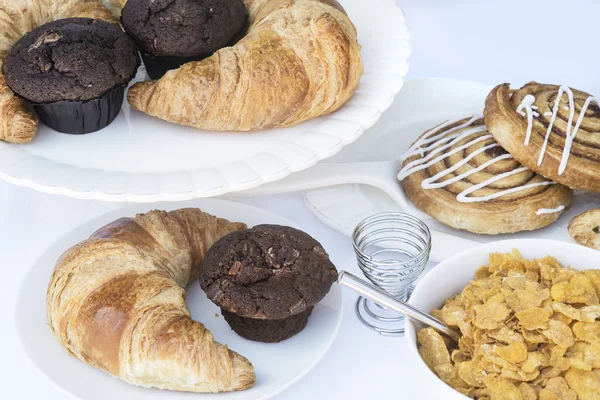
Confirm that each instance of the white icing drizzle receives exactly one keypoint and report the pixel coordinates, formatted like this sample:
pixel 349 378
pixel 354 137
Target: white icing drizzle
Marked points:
pixel 542 211
pixel 417 148
pixel 571 132
pixel 437 143
pixel 527 105
pixel 548 114
pixel 462 197
pixel 571 137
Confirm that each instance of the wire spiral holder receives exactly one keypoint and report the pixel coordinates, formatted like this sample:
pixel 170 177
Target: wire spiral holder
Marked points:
pixel 392 250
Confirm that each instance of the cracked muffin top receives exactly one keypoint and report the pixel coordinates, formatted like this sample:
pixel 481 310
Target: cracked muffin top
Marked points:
pixel 75 59
pixel 267 272
pixel 183 28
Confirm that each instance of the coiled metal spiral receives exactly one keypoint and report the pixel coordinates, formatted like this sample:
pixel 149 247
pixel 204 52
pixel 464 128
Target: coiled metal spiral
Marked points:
pixel 392 250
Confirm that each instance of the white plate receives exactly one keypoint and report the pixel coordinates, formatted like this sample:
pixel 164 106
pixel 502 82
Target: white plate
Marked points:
pixel 452 275
pixel 422 104
pixel 139 158
pixel 277 366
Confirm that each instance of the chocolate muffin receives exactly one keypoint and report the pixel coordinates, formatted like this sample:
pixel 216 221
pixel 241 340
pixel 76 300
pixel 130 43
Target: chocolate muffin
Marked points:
pixel 171 33
pixel 73 72
pixel 267 280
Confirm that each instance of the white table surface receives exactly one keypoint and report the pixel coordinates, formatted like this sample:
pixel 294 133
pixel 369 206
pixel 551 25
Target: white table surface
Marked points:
pixel 487 41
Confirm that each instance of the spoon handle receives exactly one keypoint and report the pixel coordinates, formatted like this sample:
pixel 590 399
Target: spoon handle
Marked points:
pixel 377 295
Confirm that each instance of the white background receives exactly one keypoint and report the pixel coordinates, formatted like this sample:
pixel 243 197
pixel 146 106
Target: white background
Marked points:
pixel 487 41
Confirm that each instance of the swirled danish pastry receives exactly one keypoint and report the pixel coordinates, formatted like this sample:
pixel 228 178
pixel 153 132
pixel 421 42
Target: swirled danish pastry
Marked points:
pixel 554 130
pixel 458 174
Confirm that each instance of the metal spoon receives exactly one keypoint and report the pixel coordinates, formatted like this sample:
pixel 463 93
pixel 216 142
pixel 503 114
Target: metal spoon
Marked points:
pixel 377 295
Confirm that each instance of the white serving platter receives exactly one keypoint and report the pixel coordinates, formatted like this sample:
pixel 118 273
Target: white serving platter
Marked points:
pixel 139 158
pixel 277 366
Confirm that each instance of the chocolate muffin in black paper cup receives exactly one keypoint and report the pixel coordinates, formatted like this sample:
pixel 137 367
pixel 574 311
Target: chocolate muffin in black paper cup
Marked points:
pixel 73 73
pixel 267 280
pixel 170 33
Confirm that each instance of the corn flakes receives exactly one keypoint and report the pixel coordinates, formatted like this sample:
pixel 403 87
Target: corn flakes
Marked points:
pixel 522 299
pixel 506 335
pixel 530 329
pixel 472 373
pixel 534 318
pixel 501 388
pixel 433 349
pixel 527 391
pixel 492 313
pixel 559 333
pixel 578 289
pixel 591 354
pixel 584 383
pixel 514 353
pixel 534 361
pixel 587 331
pixel 557 388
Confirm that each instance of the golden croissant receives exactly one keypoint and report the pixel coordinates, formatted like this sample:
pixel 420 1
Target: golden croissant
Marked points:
pixel 117 302
pixel 17 17
pixel 299 60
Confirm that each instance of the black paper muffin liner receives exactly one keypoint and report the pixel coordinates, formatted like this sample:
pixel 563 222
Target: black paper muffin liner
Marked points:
pixel 157 67
pixel 267 330
pixel 81 117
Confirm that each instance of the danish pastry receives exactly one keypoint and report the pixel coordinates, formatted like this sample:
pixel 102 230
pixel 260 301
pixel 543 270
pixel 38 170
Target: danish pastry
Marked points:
pixel 585 229
pixel 554 130
pixel 458 174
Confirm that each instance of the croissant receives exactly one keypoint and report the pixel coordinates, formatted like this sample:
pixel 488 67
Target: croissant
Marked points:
pixel 117 302
pixel 17 17
pixel 300 59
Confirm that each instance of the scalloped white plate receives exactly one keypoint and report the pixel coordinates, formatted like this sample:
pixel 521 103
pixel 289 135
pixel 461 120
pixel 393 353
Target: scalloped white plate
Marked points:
pixel 277 365
pixel 422 104
pixel 139 158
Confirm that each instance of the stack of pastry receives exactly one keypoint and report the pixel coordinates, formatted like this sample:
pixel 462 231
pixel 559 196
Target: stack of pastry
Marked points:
pixel 515 167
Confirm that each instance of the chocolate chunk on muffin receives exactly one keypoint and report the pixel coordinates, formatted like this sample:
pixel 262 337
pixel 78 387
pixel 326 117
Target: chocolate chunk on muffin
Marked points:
pixel 171 33
pixel 267 280
pixel 74 72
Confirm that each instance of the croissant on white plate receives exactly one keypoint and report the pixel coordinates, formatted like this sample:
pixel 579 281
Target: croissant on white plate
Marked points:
pixel 117 302
pixel 17 17
pixel 300 59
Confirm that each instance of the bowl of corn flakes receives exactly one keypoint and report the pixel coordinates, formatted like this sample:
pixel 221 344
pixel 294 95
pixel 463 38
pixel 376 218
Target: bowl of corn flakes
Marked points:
pixel 528 312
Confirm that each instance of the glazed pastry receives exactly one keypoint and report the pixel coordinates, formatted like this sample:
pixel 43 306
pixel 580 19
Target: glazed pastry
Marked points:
pixel 267 280
pixel 17 17
pixel 73 72
pixel 117 302
pixel 554 130
pixel 171 33
pixel 585 229
pixel 458 174
pixel 299 60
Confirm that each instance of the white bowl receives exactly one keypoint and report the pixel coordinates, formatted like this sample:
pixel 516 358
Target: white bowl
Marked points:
pixel 452 275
